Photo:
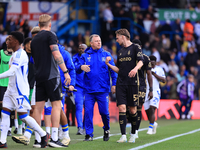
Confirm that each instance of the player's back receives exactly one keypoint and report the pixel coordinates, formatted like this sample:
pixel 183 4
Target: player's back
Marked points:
pixel 142 72
pixel 18 84
pixel 46 67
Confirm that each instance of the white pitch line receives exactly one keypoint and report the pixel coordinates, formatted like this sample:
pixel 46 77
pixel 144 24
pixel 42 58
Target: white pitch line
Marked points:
pixel 100 137
pixel 163 140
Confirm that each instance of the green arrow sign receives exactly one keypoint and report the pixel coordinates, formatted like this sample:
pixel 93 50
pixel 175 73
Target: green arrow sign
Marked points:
pixel 182 14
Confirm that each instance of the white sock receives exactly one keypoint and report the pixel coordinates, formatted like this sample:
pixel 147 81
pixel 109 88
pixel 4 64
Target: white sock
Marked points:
pixel 9 129
pixel 20 126
pixel 34 125
pixel 5 124
pixel 54 133
pixel 66 134
pixel 23 125
pixel 48 129
pixel 16 123
pixel 37 137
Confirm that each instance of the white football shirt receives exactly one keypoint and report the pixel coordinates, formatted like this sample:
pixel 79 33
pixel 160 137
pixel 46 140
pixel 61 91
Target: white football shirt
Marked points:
pixel 18 82
pixel 159 71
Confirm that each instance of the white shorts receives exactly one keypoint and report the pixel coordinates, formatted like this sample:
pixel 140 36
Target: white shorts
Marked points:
pixel 33 96
pixel 154 101
pixel 16 102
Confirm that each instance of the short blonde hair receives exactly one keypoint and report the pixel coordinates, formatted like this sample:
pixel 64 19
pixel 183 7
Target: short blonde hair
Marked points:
pixel 35 30
pixel 44 20
pixel 123 32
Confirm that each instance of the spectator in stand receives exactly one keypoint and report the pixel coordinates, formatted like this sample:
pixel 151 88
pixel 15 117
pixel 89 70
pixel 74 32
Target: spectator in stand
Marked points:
pixel 176 43
pixel 197 31
pixel 198 65
pixel 166 26
pixel 147 22
pixel 154 25
pixel 118 10
pixel 3 38
pixel 185 44
pixel 139 21
pixel 107 23
pixel 133 13
pixel 164 55
pixel 156 54
pixel 102 6
pixel 188 30
pixel 191 58
pixel 165 42
pixel 10 25
pixel 180 76
pixel 173 67
pixel 192 43
pixel 26 28
pixel 77 41
pixel 176 26
pixel 146 49
pixel 19 22
pixel 183 68
pixel 149 11
pixel 87 37
pixel 1 29
pixel 157 43
pixel 164 66
pixel 71 47
pixel 197 8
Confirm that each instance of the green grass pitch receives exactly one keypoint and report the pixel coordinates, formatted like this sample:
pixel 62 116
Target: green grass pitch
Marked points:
pixel 166 129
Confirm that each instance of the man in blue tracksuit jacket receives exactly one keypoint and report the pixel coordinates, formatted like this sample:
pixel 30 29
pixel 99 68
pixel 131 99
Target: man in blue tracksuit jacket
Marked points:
pixel 97 85
pixel 79 95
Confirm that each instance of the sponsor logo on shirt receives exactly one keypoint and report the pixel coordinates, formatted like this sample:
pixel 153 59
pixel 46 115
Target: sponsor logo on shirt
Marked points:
pixel 5 62
pixel 125 59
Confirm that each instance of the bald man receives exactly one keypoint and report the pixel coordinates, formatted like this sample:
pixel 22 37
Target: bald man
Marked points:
pixel 79 95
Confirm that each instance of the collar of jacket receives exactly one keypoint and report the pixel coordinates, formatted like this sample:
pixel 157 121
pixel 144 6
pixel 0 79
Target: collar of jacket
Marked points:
pixel 91 51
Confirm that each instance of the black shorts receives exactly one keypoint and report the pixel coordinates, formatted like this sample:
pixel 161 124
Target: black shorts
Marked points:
pixel 127 94
pixel 50 89
pixel 142 94
pixel 2 92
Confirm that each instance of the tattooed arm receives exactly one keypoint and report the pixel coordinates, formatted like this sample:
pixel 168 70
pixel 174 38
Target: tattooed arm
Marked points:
pixel 59 59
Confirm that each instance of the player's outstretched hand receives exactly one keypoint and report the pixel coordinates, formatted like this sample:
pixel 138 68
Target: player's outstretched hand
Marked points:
pixel 132 73
pixel 85 68
pixel 150 95
pixel 107 60
pixel 67 79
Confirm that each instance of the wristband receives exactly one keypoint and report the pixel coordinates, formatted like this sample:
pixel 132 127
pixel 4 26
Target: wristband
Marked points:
pixel 66 71
pixel 150 89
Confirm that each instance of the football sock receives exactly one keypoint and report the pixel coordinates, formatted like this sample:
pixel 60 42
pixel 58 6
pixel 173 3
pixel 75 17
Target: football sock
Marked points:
pixel 65 129
pixel 33 124
pixel 139 117
pixel 28 132
pixel 54 133
pixel 37 137
pixel 133 122
pixel 48 129
pixel 5 124
pixel 122 122
pixel 16 123
pixel 151 125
